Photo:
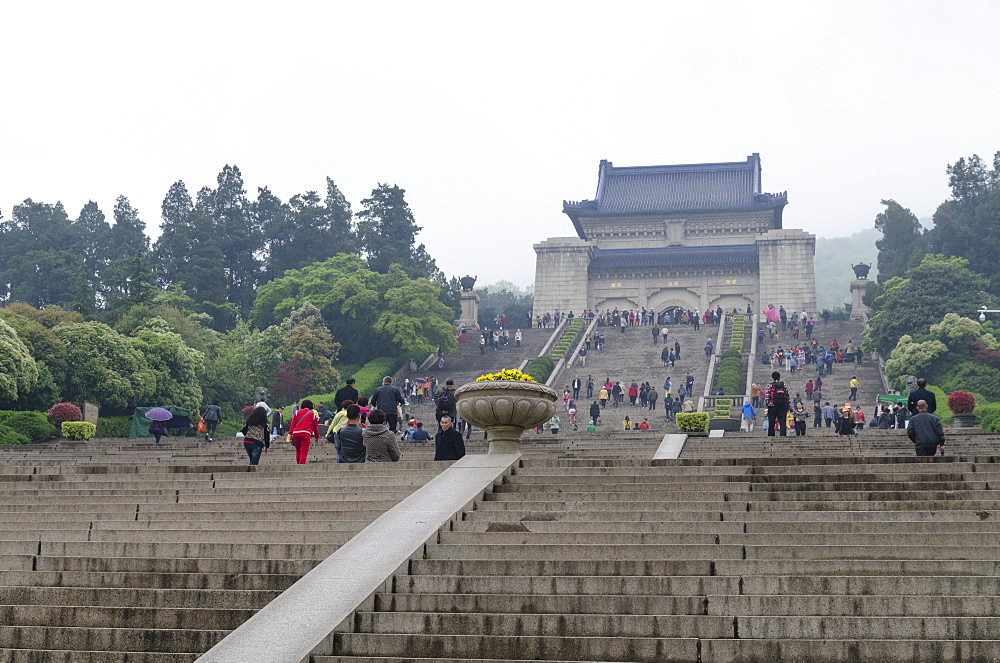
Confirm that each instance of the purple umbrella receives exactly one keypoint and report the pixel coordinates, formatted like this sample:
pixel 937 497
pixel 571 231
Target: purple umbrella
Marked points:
pixel 159 414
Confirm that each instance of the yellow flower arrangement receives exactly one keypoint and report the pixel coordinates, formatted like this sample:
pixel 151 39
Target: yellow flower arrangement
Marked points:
pixel 507 374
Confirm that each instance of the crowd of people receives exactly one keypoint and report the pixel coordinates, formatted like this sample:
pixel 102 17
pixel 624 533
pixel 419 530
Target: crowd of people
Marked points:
pixel 361 428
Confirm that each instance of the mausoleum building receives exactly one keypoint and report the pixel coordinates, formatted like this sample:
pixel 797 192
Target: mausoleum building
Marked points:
pixel 691 236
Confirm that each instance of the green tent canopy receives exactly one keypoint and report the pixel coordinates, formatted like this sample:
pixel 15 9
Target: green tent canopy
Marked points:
pixel 892 398
pixel 176 426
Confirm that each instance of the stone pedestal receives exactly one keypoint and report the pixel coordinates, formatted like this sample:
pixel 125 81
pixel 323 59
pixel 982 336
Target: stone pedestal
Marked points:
pixel 858 289
pixel 470 311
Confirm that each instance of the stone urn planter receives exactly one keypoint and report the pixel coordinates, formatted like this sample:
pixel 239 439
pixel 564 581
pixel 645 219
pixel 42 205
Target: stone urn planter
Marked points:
pixel 505 409
pixel 963 421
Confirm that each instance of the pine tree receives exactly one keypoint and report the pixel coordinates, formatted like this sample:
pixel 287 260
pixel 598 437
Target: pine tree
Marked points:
pixel 387 234
pixel 130 277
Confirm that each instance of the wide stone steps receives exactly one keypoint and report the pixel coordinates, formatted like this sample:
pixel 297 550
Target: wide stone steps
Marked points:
pixel 715 560
pixel 114 555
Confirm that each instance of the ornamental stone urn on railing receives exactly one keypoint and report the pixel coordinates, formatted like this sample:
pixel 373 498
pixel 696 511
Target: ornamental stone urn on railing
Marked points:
pixel 861 271
pixel 505 404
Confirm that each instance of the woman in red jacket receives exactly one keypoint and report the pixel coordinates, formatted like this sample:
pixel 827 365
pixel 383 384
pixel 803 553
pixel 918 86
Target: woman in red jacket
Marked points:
pixel 303 428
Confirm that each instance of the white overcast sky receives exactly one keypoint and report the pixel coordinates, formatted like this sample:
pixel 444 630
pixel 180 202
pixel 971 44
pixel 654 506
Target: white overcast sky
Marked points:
pixel 490 115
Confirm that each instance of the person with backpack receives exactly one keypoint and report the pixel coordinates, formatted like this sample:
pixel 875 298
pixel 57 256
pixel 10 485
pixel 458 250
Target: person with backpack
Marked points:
pixel 445 405
pixel 776 399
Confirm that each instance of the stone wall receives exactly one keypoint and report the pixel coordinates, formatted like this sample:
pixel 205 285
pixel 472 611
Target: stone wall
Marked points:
pixel 787 277
pixel 561 275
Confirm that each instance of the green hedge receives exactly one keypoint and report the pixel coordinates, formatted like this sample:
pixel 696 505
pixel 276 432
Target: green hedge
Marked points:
pixel 690 422
pixel 78 430
pixel 113 426
pixel 540 368
pixel 989 417
pixel 367 379
pixel 33 425
pixel 11 436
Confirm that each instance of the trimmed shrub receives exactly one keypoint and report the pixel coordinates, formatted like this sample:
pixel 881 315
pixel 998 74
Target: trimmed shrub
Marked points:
pixel 961 402
pixel 61 412
pixel 691 422
pixel 33 425
pixel 114 426
pixel 11 436
pixel 78 430
pixel 989 417
pixel 540 368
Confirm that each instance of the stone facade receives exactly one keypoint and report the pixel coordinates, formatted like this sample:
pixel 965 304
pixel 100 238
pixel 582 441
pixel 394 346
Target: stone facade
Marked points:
pixel 690 236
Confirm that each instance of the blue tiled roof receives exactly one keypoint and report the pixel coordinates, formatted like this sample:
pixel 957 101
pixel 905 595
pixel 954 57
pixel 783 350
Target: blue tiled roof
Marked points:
pixel 706 187
pixel 738 255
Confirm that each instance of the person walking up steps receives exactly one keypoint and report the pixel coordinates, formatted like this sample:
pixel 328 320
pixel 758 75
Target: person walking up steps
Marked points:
pixel 777 400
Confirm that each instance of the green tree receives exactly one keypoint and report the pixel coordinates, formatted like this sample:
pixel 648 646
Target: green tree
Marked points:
pixel 413 316
pixel 18 371
pixel 239 235
pixel 40 265
pixel 93 235
pixel 912 358
pixel 104 367
pixel 364 310
pixel 306 230
pixel 938 285
pixel 129 278
pixel 902 244
pixel 387 234
pixel 176 367
pixel 188 252
pixel 504 298
pixel 307 339
pixel 41 342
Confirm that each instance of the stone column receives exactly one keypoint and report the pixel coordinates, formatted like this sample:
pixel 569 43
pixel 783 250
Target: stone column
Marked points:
pixel 858 289
pixel 470 310
pixel 787 277
pixel 561 275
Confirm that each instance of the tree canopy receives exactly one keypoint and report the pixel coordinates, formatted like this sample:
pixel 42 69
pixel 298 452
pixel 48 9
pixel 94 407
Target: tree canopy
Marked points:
pixel 912 303
pixel 370 314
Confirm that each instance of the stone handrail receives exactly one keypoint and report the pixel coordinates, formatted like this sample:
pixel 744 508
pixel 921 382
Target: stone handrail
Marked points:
pixel 556 333
pixel 567 359
pixel 710 378
pixel 879 360
pixel 752 323
pixel 301 621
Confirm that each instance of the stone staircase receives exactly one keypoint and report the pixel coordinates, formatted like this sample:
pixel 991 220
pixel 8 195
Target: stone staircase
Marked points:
pixel 466 363
pixel 632 356
pixel 119 551
pixel 835 386
pixel 762 560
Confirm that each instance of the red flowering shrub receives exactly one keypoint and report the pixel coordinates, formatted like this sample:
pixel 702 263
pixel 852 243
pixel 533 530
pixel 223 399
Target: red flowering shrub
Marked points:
pixel 61 412
pixel 247 411
pixel 961 402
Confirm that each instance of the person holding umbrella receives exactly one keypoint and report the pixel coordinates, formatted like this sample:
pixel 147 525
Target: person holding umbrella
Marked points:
pixel 158 416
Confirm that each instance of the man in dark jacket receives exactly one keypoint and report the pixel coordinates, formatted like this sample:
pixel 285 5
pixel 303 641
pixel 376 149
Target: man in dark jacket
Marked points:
pixel 348 393
pixel 925 431
pixel 350 443
pixel 445 404
pixel 448 443
pixel 921 393
pixel 595 412
pixel 386 398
